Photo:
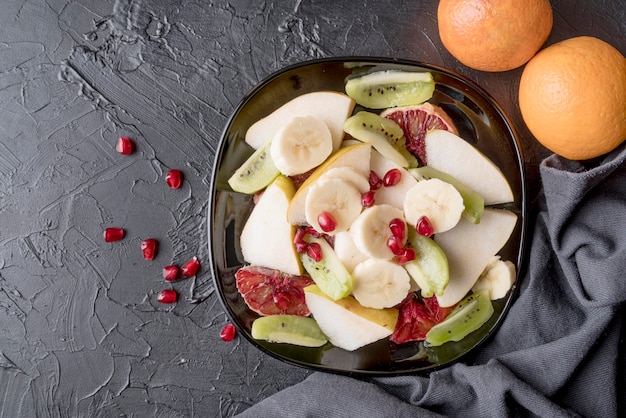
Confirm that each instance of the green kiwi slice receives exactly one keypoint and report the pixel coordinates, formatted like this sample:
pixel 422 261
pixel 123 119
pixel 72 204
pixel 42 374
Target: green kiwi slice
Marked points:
pixel 329 274
pixel 430 268
pixel 383 89
pixel 256 173
pixel 289 329
pixel 469 315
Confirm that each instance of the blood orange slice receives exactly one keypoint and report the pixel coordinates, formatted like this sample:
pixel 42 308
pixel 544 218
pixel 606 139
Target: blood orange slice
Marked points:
pixel 271 292
pixel 416 318
pixel 416 121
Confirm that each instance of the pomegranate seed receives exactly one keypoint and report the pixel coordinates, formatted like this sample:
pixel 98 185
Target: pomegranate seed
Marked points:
pixel 302 247
pixel 228 332
pixel 191 267
pixel 170 273
pixel 424 227
pixel 124 145
pixel 327 221
pixel 114 234
pixel 395 245
pixel 312 232
pixel 315 252
pixel 167 296
pixel 174 178
pixel 299 235
pixel 392 177
pixel 375 181
pixel 406 255
pixel 149 247
pixel 368 199
pixel 398 228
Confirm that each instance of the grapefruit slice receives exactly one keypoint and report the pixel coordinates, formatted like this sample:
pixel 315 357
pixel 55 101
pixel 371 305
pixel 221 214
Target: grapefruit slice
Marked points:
pixel 416 121
pixel 271 292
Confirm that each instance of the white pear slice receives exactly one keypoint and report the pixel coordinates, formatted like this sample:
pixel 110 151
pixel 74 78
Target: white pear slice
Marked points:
pixel 394 195
pixel 356 157
pixel 333 108
pixel 267 238
pixel 453 155
pixel 346 323
pixel 470 248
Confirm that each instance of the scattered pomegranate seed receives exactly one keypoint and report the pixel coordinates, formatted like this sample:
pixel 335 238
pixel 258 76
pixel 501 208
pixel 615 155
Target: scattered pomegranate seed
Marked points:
pixel 368 199
pixel 228 332
pixel 114 234
pixel 392 177
pixel 327 221
pixel 191 267
pixel 174 178
pixel 375 181
pixel 149 247
pixel 395 245
pixel 398 228
pixel 424 227
pixel 125 145
pixel 167 296
pixel 170 273
pixel 406 255
pixel 315 252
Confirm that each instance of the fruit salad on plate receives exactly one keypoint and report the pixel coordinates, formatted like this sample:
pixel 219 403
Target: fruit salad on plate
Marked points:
pixel 373 219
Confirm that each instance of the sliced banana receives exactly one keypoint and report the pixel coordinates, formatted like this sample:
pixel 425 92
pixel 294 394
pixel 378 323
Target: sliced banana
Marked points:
pixel 370 231
pixel 498 277
pixel 380 283
pixel 349 175
pixel 336 197
pixel 439 201
pixel 348 253
pixel 302 144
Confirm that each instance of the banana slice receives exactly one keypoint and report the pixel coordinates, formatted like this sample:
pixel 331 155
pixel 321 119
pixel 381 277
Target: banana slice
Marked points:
pixel 302 144
pixel 498 277
pixel 349 175
pixel 380 283
pixel 439 201
pixel 335 197
pixel 347 252
pixel 370 231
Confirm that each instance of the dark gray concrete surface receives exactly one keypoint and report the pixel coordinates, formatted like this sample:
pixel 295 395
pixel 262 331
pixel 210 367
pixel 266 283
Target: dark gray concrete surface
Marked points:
pixel 81 332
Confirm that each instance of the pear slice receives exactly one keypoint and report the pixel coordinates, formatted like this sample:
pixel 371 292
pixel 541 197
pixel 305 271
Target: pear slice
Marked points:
pixel 267 238
pixel 452 155
pixel 332 107
pixel 470 247
pixel 356 157
pixel 348 324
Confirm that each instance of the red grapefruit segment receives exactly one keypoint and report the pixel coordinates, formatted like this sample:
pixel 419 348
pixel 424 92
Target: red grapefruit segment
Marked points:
pixel 416 121
pixel 271 292
pixel 416 318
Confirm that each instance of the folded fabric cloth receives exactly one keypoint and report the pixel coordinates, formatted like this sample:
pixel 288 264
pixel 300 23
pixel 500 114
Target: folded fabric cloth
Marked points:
pixel 560 351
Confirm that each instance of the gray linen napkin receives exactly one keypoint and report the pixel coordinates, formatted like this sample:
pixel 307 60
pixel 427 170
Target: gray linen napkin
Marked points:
pixel 561 350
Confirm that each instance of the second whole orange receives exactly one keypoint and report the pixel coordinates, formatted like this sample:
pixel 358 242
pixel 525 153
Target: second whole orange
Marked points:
pixel 572 96
pixel 494 35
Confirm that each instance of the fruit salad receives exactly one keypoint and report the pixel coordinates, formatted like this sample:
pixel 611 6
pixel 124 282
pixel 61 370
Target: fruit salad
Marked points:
pixel 370 224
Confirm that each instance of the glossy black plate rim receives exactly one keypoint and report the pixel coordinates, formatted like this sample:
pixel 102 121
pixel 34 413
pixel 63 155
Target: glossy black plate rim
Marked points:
pixel 522 213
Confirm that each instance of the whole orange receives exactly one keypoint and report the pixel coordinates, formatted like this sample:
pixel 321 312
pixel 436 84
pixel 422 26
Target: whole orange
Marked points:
pixel 494 35
pixel 572 96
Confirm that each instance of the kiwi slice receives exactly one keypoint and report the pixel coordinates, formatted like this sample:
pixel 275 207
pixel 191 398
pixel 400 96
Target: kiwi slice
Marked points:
pixel 474 202
pixel 469 315
pixel 256 173
pixel 289 329
pixel 329 274
pixel 383 89
pixel 430 268
pixel 381 132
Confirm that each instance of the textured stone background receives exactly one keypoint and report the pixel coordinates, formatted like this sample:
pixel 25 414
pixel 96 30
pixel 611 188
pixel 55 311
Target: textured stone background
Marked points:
pixel 81 333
